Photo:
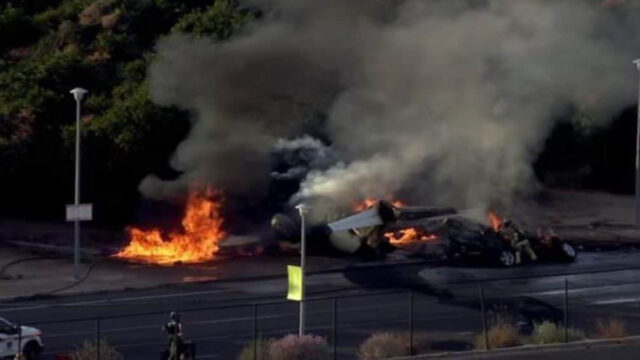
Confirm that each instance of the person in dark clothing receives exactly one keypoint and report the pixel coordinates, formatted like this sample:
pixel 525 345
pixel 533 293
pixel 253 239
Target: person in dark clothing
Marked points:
pixel 174 332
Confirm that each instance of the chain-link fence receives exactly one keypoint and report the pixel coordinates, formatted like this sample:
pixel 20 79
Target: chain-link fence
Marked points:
pixel 479 315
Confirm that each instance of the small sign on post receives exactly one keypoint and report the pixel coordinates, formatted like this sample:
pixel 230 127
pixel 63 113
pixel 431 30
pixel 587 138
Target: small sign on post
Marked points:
pixel 295 283
pixel 80 212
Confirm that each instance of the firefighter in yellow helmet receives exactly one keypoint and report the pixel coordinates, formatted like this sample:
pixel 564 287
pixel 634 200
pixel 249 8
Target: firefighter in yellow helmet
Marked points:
pixel 518 241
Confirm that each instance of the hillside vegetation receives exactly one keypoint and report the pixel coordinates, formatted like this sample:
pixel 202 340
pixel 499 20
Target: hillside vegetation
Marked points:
pixel 48 47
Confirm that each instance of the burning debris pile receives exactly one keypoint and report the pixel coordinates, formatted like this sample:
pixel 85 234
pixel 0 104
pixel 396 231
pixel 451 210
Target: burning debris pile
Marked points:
pixel 409 236
pixel 401 236
pixel 198 242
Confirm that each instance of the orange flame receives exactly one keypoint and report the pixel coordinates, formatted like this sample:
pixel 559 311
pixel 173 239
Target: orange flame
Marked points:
pixel 198 242
pixel 365 204
pixel 408 235
pixel 369 202
pixel 495 220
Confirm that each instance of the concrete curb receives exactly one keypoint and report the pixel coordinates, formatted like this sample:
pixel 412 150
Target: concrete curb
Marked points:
pixel 48 295
pixel 482 354
pixel 100 254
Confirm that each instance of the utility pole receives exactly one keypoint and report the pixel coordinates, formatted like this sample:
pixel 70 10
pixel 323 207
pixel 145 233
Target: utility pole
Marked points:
pixel 78 94
pixel 637 186
pixel 303 209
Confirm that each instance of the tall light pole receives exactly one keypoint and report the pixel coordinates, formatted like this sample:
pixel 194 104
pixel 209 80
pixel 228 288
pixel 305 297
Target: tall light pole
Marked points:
pixel 637 187
pixel 303 209
pixel 78 94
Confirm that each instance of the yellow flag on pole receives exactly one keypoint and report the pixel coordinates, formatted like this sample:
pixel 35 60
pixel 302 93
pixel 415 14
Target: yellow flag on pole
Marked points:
pixel 295 283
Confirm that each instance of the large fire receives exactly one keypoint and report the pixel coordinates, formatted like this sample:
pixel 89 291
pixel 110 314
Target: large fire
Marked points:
pixel 198 242
pixel 408 235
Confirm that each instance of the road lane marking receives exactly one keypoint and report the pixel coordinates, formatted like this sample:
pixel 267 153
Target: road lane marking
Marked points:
pixel 120 300
pixel 136 298
pixel 583 290
pixel 616 301
pixel 573 291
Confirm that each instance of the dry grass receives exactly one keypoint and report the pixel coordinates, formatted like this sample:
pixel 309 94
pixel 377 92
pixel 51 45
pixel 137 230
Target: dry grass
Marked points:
pixel 550 333
pixel 502 334
pixel 611 329
pixel 384 345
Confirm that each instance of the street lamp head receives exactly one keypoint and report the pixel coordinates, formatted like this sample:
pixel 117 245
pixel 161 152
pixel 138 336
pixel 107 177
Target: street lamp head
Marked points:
pixel 303 208
pixel 637 62
pixel 78 93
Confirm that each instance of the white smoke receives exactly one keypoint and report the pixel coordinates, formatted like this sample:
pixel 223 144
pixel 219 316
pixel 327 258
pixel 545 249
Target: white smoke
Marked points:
pixel 295 158
pixel 449 101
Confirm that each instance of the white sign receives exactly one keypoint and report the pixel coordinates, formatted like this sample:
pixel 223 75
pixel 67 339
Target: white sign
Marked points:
pixel 81 212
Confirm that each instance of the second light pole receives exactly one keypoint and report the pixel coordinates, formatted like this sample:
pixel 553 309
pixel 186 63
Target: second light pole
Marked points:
pixel 303 209
pixel 78 94
pixel 637 183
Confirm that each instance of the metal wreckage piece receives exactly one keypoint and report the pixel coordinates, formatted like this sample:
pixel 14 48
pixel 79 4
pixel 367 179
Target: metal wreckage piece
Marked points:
pixel 359 234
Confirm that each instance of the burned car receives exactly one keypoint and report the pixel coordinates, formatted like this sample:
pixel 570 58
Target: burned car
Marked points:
pixel 461 239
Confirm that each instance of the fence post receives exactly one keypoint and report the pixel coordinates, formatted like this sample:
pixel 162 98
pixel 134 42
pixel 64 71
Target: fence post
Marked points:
pixel 334 333
pixel 97 338
pixel 484 319
pixel 566 310
pixel 19 325
pixel 255 331
pixel 411 322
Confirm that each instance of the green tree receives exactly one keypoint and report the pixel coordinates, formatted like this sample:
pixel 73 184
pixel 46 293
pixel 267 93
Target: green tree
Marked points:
pixel 222 19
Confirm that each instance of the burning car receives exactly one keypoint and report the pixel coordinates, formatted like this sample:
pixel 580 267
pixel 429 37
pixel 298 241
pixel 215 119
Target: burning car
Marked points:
pixel 462 239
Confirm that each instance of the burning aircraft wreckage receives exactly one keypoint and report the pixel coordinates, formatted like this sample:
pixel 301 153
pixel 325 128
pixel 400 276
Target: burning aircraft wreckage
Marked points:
pixel 372 230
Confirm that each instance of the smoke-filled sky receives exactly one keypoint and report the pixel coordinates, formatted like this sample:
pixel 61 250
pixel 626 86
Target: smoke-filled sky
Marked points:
pixel 449 101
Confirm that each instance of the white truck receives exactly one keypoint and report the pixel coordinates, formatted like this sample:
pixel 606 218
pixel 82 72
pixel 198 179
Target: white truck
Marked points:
pixel 28 338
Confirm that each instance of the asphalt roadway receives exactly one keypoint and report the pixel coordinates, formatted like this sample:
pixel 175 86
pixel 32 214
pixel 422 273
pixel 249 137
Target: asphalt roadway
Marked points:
pixel 219 316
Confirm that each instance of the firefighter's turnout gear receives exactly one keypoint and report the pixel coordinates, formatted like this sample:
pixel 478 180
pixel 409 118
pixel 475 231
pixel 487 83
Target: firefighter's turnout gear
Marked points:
pixel 174 332
pixel 518 241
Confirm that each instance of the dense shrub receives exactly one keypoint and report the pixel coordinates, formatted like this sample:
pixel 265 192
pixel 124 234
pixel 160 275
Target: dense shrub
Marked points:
pixel 15 22
pixel 611 329
pixel 104 46
pixel 384 345
pixel 548 333
pixel 292 347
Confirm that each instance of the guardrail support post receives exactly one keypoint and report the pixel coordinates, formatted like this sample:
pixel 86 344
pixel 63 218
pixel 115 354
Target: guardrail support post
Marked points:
pixel 566 310
pixel 98 339
pixel 411 322
pixel 484 319
pixel 19 338
pixel 334 325
pixel 255 331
